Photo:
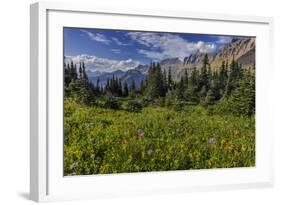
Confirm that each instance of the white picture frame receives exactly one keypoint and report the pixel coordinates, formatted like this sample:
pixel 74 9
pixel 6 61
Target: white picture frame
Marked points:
pixel 47 182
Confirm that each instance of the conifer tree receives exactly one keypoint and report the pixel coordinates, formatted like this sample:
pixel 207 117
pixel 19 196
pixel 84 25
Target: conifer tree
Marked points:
pixel 210 97
pixel 170 80
pixel 203 92
pixel 165 83
pixel 98 86
pixel 233 79
pixel 80 71
pixel 223 75
pixel 155 82
pixel 107 85
pixel 125 90
pixel 180 89
pixel 185 79
pixel 143 86
pixel 73 71
pixel 119 90
pixel 67 74
pixel 159 84
pixel 85 76
pixel 242 101
pixel 204 77
pixel 194 78
pixel 80 88
pixel 133 89
pixel 133 86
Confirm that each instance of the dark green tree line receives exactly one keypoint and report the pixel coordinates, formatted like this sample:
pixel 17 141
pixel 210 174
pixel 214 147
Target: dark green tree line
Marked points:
pixel 229 84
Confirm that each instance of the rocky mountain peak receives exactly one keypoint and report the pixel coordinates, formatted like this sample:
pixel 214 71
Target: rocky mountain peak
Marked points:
pixel 170 61
pixel 241 49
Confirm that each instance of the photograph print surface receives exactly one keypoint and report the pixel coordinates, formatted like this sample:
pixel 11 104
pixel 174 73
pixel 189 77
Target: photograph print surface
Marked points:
pixel 145 101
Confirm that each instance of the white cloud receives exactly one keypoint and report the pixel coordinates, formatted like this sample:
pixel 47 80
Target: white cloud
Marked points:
pixel 96 37
pixel 223 39
pixel 205 47
pixel 165 45
pixel 94 63
pixel 153 54
pixel 118 42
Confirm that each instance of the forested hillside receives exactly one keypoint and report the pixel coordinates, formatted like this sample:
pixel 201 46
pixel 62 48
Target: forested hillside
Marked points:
pixel 206 119
pixel 226 88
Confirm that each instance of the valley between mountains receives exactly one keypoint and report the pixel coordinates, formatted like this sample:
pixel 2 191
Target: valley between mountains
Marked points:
pixel 183 112
pixel 241 50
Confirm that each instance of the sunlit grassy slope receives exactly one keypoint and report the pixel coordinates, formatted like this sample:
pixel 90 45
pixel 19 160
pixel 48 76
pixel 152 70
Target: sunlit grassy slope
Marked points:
pixel 100 141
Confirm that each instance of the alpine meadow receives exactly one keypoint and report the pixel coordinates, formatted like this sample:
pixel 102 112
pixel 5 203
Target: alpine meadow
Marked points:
pixel 143 101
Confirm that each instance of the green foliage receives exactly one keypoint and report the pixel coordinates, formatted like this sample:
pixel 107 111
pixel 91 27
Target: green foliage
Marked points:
pixel 133 90
pixel 81 91
pixel 156 86
pixel 233 79
pixel 134 106
pixel 126 90
pixel 114 87
pixel 202 86
pixel 210 98
pixel 67 75
pixel 170 98
pixel 203 80
pixel 78 86
pixel 178 105
pixel 180 87
pixel 242 100
pixel 204 120
pixel 101 141
pixel 192 95
pixel 161 102
pixel 223 75
pixel 111 102
pixel 170 82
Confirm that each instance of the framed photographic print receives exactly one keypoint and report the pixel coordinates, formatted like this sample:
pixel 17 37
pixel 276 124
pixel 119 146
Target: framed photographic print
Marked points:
pixel 127 102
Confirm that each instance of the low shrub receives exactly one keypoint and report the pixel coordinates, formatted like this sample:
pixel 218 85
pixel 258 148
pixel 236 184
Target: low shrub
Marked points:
pixel 134 106
pixel 111 103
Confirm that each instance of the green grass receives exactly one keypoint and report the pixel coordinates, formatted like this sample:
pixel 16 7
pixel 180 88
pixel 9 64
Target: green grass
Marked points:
pixel 101 141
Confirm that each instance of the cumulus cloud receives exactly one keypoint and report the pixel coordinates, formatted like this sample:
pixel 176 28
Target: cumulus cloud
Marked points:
pixel 223 39
pixel 165 45
pixel 153 54
pixel 205 47
pixel 94 63
pixel 96 37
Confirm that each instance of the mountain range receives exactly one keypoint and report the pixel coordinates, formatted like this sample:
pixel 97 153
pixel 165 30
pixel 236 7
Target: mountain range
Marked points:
pixel 241 50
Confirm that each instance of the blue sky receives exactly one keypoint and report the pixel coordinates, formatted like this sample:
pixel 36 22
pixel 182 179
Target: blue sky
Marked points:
pixel 115 49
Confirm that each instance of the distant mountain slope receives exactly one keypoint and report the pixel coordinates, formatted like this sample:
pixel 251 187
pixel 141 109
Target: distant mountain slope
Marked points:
pixel 133 75
pixel 142 68
pixel 242 50
pixel 173 64
pixel 104 76
pixel 128 76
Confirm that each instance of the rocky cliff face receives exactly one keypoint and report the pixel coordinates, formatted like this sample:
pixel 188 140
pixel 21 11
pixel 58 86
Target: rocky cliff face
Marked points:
pixel 242 50
pixel 173 64
pixel 133 75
